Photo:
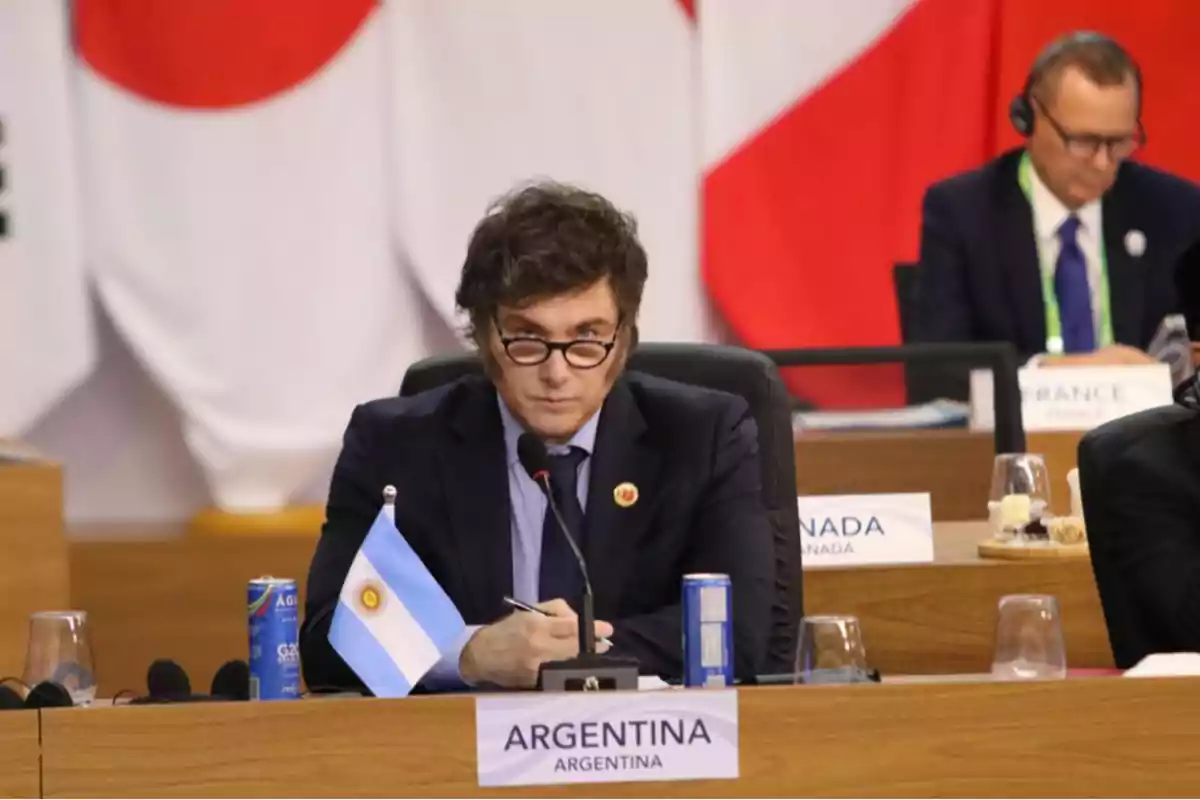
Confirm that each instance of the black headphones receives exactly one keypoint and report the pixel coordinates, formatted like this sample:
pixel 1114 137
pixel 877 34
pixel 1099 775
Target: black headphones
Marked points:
pixel 47 694
pixel 1020 110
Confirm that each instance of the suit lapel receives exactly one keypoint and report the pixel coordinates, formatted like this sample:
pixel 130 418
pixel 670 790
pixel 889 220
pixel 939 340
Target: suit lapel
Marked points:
pixel 1019 257
pixel 1125 280
pixel 622 455
pixel 475 476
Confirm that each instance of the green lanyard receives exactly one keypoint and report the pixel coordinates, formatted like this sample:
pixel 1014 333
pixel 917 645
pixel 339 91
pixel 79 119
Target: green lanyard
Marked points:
pixel 1054 342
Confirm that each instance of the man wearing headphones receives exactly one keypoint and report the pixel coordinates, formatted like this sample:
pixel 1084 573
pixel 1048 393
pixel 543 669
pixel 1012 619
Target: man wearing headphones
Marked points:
pixel 1064 247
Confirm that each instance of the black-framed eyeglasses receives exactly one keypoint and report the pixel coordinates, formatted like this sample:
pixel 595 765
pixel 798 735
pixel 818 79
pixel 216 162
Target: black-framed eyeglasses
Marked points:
pixel 529 351
pixel 1086 145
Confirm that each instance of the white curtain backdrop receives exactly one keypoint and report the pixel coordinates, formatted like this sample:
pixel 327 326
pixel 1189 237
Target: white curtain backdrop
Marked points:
pixel 244 254
pixel 46 341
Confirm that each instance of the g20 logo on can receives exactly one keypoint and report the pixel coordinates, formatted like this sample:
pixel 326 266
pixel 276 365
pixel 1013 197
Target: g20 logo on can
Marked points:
pixel 287 653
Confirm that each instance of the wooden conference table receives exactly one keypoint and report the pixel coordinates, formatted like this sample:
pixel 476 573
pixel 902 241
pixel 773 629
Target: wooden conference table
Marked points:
pixel 1079 737
pixel 160 591
pixel 953 465
pixel 940 618
pixel 20 770
pixel 184 598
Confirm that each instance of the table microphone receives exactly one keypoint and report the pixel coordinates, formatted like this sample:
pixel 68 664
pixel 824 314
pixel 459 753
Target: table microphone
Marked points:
pixel 589 671
pixel 536 461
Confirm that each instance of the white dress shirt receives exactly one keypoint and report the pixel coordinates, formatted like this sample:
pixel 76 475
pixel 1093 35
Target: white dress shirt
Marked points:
pixel 1049 214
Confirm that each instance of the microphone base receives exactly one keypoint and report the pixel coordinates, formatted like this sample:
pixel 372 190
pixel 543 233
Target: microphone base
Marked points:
pixel 589 673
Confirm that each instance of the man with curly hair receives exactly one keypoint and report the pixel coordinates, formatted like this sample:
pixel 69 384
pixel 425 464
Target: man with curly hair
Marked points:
pixel 658 479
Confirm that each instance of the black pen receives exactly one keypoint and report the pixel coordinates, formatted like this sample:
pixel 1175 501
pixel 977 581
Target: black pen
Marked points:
pixel 517 604
pixel 522 606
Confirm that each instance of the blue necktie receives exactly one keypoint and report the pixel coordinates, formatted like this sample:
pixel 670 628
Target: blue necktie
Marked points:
pixel 559 575
pixel 1073 293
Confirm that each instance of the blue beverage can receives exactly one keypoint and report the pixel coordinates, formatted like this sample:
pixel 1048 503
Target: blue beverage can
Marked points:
pixel 274 612
pixel 707 630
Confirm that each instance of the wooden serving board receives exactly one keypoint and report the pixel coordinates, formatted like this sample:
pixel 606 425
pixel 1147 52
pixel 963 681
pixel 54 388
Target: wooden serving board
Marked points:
pixel 991 548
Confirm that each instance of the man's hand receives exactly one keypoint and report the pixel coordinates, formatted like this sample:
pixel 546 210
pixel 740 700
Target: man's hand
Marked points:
pixel 508 653
pixel 1113 355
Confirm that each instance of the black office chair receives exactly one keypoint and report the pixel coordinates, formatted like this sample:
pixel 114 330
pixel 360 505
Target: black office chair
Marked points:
pixel 923 382
pixel 1133 631
pixel 736 371
pixel 904 284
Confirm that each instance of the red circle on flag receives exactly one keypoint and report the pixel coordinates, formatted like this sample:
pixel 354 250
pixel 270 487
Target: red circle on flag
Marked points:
pixel 213 53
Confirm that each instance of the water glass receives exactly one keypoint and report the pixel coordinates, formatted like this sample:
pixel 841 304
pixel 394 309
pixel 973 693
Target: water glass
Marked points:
pixel 60 650
pixel 1020 493
pixel 1029 639
pixel 831 650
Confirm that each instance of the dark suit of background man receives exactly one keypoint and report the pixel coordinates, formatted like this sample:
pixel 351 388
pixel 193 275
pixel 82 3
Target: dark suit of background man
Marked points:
pixel 1062 247
pixel 551 284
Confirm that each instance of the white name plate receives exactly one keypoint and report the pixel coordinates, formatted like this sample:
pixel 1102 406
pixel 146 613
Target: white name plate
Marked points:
pixel 604 737
pixel 1074 398
pixel 860 529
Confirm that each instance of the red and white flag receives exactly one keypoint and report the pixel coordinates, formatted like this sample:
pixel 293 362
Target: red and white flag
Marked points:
pixel 234 153
pixel 46 335
pixel 823 125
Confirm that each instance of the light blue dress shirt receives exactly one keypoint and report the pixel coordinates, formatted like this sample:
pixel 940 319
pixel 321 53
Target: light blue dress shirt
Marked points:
pixel 527 507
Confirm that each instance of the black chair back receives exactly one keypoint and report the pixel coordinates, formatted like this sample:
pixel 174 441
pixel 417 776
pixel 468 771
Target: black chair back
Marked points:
pixel 923 382
pixel 904 284
pixel 430 373
pixel 751 376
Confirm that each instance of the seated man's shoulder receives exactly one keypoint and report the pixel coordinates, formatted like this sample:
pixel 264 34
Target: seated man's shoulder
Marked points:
pixel 1155 184
pixel 672 405
pixel 977 182
pixel 1145 436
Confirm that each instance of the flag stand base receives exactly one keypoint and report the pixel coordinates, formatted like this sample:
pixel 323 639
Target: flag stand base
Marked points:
pixel 589 673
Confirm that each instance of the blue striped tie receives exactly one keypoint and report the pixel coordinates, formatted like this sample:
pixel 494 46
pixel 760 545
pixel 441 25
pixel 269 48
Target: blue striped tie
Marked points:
pixel 1073 293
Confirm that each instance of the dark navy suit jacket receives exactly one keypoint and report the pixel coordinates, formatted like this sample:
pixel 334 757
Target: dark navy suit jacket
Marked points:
pixel 692 453
pixel 980 279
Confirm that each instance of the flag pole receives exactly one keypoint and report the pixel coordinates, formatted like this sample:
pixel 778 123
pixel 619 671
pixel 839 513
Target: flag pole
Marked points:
pixel 389 502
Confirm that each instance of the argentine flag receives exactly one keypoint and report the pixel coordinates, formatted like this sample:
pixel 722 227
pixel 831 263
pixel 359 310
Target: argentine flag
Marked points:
pixel 393 621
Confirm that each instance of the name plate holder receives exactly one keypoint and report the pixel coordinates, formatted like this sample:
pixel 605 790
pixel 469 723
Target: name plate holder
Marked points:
pixel 1055 399
pixel 605 737
pixel 865 529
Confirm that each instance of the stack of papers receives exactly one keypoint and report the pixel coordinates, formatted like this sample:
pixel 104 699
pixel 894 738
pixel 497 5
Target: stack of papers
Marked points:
pixel 938 414
pixel 1165 665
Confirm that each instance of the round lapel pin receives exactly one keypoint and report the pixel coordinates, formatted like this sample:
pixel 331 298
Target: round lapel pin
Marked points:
pixel 1135 243
pixel 625 495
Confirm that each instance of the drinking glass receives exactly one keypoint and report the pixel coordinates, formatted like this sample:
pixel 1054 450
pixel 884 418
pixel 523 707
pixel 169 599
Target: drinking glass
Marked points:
pixel 1029 639
pixel 831 650
pixel 60 650
pixel 1020 493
